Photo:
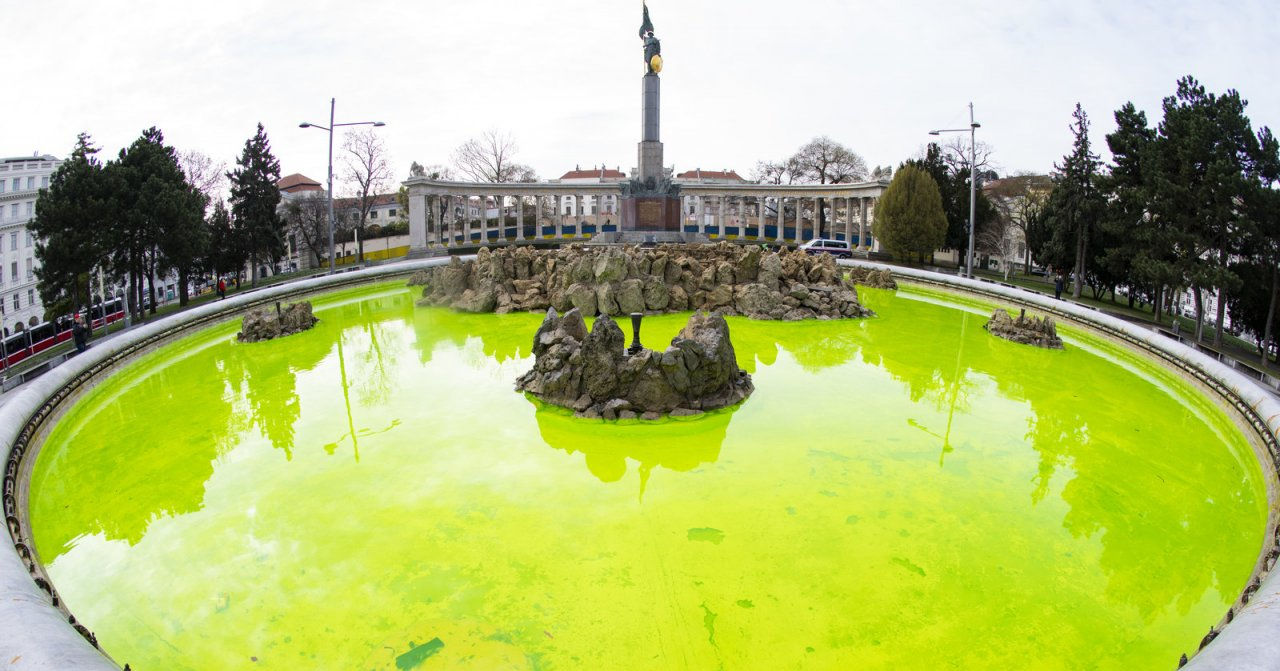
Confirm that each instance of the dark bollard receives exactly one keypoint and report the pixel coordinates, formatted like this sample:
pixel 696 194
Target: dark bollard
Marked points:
pixel 277 308
pixel 636 347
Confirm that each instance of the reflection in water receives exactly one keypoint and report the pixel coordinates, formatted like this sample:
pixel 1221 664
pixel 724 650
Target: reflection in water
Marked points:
pixel 1083 475
pixel 606 446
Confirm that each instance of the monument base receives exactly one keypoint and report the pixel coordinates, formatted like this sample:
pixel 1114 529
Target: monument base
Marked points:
pixel 651 213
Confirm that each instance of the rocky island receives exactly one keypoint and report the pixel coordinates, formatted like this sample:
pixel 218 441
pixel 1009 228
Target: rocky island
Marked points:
pixel 591 373
pixel 1024 329
pixel 273 322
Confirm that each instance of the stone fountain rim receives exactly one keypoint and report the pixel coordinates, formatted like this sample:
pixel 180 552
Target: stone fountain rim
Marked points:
pixel 48 640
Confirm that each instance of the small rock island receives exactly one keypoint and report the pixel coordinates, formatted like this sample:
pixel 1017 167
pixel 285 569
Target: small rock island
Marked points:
pixel 266 323
pixel 1024 329
pixel 591 372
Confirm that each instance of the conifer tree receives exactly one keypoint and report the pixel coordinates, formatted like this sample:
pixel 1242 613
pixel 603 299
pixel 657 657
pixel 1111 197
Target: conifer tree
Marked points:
pixel 70 217
pixel 909 216
pixel 254 199
pixel 1075 204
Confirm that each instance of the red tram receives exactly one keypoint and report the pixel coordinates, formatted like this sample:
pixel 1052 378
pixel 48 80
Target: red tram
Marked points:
pixel 41 337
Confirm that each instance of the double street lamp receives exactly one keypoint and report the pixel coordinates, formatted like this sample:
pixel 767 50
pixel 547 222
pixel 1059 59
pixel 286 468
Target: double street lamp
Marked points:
pixel 973 178
pixel 330 128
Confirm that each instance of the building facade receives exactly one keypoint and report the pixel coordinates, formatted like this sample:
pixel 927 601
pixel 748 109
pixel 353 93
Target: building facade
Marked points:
pixel 21 178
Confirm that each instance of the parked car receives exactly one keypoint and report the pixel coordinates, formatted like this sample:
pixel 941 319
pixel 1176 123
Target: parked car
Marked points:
pixel 836 248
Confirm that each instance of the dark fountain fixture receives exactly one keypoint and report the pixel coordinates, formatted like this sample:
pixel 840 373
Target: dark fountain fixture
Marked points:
pixel 635 347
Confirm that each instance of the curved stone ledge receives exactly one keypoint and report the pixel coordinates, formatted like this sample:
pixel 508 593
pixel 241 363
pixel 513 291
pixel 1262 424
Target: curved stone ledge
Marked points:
pixel 37 631
pixel 1251 639
pixel 38 635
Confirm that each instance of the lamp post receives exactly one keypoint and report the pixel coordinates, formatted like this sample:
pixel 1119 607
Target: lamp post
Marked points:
pixel 330 128
pixel 973 178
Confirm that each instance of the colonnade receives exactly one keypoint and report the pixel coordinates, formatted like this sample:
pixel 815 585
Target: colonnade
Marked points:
pixel 711 215
pixel 470 214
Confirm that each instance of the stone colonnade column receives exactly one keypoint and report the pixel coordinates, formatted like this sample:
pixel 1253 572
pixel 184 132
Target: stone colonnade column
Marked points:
pixel 577 215
pixel 777 216
pixel 520 217
pixel 848 223
pixel 862 225
pixel 760 217
pixel 721 204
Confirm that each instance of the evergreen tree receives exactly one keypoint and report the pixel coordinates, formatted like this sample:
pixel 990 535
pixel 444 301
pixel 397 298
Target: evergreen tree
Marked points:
pixel 909 216
pixel 1135 249
pixel 254 198
pixel 70 217
pixel 953 188
pixel 1075 204
pixel 225 254
pixel 155 209
pixel 1205 167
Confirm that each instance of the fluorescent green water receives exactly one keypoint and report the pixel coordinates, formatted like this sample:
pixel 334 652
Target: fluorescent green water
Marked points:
pixel 900 492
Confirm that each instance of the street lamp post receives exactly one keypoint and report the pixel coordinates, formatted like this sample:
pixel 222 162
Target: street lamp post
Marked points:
pixel 973 178
pixel 330 128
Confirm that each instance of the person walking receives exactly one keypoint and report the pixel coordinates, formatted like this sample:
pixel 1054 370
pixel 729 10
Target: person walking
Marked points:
pixel 1057 286
pixel 78 332
pixel 222 288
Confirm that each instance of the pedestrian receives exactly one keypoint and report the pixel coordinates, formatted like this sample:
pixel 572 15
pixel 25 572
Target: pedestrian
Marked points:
pixel 78 332
pixel 222 288
pixel 1057 287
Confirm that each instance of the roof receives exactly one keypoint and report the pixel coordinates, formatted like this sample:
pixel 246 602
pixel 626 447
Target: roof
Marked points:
pixel 33 157
pixel 602 173
pixel 378 201
pixel 298 182
pixel 711 174
pixel 1018 184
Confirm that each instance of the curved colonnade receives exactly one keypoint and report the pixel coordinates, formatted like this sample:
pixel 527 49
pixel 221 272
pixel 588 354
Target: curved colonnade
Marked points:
pixel 453 214
pixel 41 634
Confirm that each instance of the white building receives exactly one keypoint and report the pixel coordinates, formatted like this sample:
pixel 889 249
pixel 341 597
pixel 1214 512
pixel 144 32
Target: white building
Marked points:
pixel 21 179
pixel 608 204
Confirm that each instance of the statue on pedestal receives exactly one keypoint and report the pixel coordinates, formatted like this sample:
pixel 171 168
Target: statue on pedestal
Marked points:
pixel 652 47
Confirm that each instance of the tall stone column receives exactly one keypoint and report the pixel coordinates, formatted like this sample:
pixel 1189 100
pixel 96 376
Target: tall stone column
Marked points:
pixel 519 217
pixel 417 223
pixel 760 201
pixel 577 215
pixel 777 218
pixel 848 222
pixel 720 207
pixel 862 225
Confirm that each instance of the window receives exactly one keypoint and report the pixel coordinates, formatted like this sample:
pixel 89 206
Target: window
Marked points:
pixel 31 211
pixel 17 183
pixel 31 297
pixel 17 303
pixel 1 191
pixel 31 183
pixel 13 211
pixel 30 271
pixel 391 212
pixel 13 272
pixel 44 182
pixel 28 237
pixel 13 241
pixel 373 214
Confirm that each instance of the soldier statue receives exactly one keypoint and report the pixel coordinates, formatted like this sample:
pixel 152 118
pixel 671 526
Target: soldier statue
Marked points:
pixel 652 47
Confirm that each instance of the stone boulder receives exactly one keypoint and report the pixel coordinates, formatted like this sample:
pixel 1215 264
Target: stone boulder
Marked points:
pixel 266 323
pixel 591 372
pixel 869 277
pixel 1024 329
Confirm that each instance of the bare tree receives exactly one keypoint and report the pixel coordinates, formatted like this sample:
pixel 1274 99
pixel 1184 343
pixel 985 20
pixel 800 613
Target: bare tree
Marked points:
pixel 491 158
pixel 204 174
pixel 308 217
pixel 825 161
pixel 434 171
pixel 367 172
pixel 1018 200
pixel 775 172
pixel 955 154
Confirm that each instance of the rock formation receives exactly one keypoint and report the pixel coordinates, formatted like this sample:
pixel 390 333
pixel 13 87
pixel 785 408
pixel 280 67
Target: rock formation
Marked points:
pixel 876 279
pixel 1024 329
pixel 591 372
pixel 729 279
pixel 273 322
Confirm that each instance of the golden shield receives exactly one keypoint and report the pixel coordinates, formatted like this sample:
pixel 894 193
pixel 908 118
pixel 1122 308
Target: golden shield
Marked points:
pixel 655 63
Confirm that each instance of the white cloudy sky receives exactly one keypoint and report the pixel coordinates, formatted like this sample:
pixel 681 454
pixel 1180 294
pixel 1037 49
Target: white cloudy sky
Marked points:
pixel 743 80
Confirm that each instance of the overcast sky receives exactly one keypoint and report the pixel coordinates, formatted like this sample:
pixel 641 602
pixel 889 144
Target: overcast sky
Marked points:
pixel 743 80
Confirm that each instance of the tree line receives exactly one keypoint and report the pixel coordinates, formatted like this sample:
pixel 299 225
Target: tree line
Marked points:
pixel 145 214
pixel 1187 204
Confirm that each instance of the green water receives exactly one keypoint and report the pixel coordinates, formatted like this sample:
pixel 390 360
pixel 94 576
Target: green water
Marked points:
pixel 900 492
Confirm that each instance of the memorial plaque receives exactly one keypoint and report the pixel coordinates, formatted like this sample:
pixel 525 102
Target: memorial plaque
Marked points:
pixel 649 215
